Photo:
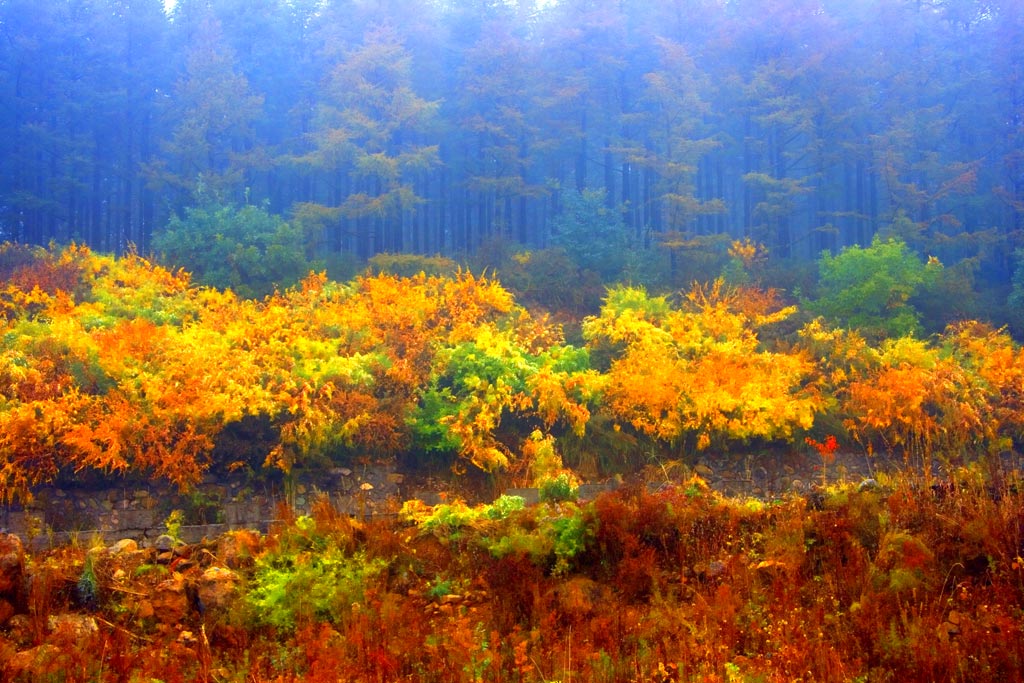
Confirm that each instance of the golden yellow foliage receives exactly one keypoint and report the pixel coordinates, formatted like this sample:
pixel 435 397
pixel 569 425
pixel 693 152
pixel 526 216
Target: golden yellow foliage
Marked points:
pixel 700 372
pixel 921 399
pixel 747 251
pixel 119 365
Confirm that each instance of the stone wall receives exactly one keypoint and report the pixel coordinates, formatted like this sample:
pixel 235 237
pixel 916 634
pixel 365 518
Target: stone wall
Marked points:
pixel 140 511
pixel 59 516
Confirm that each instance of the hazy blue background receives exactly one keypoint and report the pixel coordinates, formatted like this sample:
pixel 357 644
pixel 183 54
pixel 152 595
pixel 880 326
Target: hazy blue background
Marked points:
pixel 437 126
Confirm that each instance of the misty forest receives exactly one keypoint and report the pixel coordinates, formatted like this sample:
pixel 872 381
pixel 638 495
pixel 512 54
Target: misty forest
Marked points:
pixel 624 341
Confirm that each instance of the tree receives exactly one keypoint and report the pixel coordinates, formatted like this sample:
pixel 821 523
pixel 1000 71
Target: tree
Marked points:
pixel 590 58
pixel 1016 298
pixel 594 236
pixel 211 148
pixel 440 127
pixel 79 81
pixel 779 66
pixel 370 128
pixel 1009 32
pixel 497 108
pixel 676 139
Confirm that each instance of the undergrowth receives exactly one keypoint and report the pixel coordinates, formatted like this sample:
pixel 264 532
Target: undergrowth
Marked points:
pixel 902 580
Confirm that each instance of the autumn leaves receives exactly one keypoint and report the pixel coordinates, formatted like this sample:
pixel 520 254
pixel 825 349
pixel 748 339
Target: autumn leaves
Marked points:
pixel 698 372
pixel 118 365
pixel 126 367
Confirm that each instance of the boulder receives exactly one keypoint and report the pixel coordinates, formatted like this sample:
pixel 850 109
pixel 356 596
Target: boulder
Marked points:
pixel 170 600
pixel 238 549
pixel 7 611
pixel 12 565
pixel 39 663
pixel 73 627
pixel 216 588
pixel 165 543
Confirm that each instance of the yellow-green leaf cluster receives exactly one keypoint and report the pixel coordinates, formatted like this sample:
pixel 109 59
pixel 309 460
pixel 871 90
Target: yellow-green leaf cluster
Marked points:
pixel 698 371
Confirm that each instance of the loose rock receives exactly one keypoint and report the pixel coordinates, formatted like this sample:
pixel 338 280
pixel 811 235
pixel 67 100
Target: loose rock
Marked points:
pixel 125 545
pixel 216 587
pixel 704 471
pixel 165 543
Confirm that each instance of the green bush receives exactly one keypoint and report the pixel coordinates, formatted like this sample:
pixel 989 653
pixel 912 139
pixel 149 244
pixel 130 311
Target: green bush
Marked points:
pixel 558 488
pixel 869 289
pixel 247 250
pixel 557 534
pixel 504 506
pixel 449 521
pixel 469 373
pixel 288 590
pixel 569 534
pixel 551 279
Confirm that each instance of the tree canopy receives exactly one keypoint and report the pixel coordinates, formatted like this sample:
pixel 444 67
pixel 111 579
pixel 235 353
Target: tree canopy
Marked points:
pixel 434 127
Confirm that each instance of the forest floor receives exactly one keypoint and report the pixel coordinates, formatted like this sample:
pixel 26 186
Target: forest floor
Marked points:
pixel 870 581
